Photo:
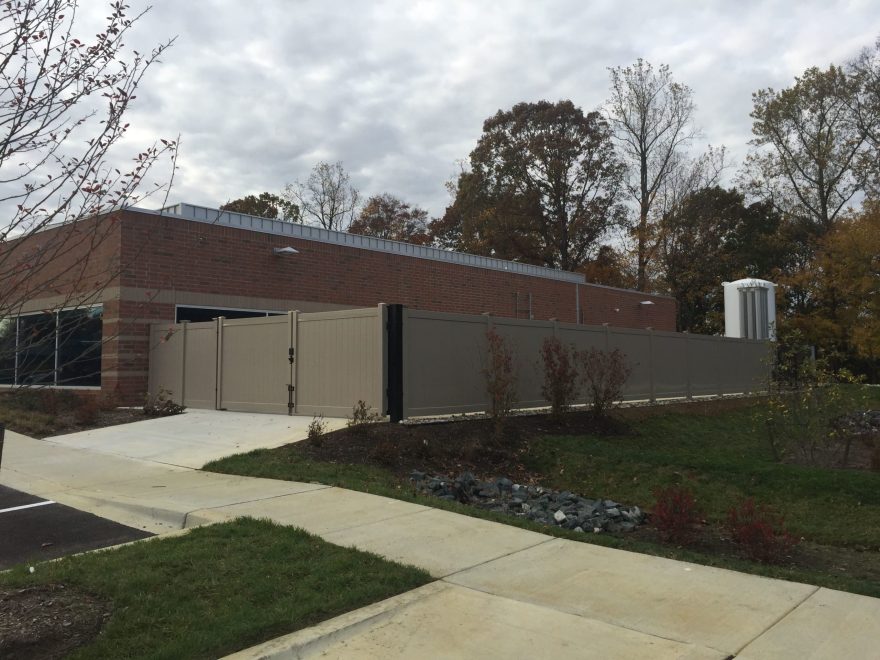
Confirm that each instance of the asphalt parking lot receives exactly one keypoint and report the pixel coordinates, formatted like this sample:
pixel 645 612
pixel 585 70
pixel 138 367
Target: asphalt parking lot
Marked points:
pixel 35 529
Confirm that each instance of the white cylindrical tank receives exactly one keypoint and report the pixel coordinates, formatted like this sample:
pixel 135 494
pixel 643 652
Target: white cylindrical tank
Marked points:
pixel 750 309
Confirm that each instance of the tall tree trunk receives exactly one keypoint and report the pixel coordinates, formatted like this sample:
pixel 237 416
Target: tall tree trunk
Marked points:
pixel 641 277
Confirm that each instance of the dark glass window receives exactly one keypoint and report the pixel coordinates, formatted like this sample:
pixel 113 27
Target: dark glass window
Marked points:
pixel 36 349
pixel 199 314
pixel 52 348
pixel 7 351
pixel 79 346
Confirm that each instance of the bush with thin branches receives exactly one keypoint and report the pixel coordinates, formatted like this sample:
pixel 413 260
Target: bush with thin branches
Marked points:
pixel 500 377
pixel 604 375
pixel 560 386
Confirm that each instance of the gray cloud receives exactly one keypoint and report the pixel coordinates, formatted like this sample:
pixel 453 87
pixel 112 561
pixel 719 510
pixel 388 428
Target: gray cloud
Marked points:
pixel 398 91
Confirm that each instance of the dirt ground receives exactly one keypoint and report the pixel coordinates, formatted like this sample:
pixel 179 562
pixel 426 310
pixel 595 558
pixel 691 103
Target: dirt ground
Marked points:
pixel 47 622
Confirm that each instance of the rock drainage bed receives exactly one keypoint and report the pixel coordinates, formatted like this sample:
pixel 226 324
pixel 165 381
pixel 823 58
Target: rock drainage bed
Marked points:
pixel 550 507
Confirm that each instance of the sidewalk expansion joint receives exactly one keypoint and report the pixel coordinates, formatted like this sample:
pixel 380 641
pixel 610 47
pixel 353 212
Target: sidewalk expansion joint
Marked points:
pixel 258 499
pixel 489 561
pixel 571 612
pixel 424 509
pixel 778 620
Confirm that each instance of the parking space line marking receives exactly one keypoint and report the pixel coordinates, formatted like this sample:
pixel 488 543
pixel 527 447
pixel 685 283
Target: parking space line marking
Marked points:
pixel 26 506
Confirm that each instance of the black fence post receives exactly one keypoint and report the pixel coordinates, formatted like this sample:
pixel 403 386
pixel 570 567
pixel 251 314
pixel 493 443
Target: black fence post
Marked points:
pixel 394 329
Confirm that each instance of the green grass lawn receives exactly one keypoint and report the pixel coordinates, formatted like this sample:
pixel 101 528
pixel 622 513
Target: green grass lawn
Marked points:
pixel 719 454
pixel 723 459
pixel 220 588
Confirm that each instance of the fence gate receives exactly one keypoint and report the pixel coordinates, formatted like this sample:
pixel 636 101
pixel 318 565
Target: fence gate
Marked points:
pixel 316 363
pixel 255 364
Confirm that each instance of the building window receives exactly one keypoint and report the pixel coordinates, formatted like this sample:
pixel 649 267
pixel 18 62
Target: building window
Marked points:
pixel 52 348
pixel 8 330
pixel 199 314
pixel 36 349
pixel 79 346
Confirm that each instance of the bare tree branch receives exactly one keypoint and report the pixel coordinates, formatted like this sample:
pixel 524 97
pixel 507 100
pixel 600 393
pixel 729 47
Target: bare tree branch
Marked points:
pixel 652 119
pixel 326 198
pixel 62 108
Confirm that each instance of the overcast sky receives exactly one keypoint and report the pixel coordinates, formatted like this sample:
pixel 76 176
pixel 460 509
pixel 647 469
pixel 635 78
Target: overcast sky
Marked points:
pixel 261 90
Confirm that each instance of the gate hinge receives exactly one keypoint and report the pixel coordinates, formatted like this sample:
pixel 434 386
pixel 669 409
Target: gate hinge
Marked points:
pixel 291 353
pixel 291 388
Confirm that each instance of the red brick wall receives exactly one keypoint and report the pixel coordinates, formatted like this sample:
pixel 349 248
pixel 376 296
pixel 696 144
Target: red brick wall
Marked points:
pixel 169 253
pixel 57 262
pixel 621 308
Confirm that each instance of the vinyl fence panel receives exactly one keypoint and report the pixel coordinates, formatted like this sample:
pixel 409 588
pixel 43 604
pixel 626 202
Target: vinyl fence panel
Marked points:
pixel 340 360
pixel 199 388
pixel 254 369
pixel 166 360
pixel 445 355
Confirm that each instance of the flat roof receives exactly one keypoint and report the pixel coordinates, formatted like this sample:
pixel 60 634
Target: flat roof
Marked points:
pixel 309 233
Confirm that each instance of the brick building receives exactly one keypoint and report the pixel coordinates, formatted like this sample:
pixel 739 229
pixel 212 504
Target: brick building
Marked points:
pixel 189 263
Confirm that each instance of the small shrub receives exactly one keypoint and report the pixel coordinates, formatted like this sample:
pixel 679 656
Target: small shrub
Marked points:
pixel 317 429
pixel 44 400
pixel 802 416
pixel 760 532
pixel 675 514
pixel 604 374
pixel 87 412
pixel 363 414
pixel 500 379
pixel 560 385
pixel 162 405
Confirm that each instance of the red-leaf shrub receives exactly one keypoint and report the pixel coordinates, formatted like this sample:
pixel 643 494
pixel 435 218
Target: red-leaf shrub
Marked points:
pixel 675 513
pixel 760 532
pixel 560 385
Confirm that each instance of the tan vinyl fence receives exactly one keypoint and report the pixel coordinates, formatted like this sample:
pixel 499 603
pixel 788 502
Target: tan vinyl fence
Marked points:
pixel 320 363
pixel 431 364
pixel 444 356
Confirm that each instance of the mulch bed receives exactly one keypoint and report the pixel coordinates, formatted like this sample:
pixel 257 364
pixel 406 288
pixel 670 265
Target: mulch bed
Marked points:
pixel 48 621
pixel 469 445
pixel 67 422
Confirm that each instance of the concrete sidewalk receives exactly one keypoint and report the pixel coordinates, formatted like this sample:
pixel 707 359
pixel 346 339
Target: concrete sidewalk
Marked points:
pixel 501 591
pixel 194 438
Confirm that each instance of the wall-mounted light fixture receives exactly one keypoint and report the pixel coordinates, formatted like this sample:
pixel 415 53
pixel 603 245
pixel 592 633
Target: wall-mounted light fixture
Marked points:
pixel 646 302
pixel 279 252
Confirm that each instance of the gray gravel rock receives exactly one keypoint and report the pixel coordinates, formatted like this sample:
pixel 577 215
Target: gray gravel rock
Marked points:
pixel 564 509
